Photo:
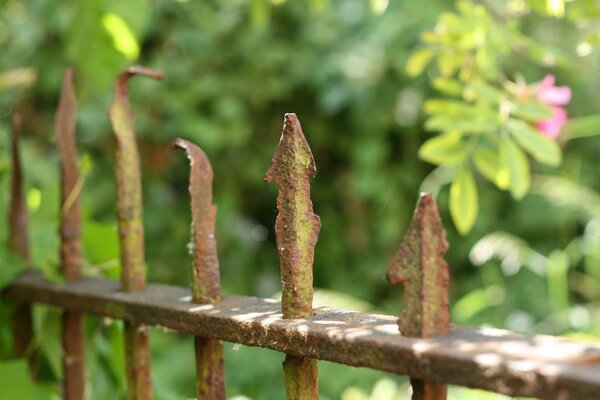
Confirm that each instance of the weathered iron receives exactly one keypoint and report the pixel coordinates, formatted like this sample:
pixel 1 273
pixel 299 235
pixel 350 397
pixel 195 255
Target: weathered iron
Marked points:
pixel 420 267
pixel 492 359
pixel 131 231
pixel 70 238
pixel 206 281
pixel 297 229
pixel 18 244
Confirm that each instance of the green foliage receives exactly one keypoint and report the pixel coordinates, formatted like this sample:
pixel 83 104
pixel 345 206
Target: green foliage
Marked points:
pixel 365 78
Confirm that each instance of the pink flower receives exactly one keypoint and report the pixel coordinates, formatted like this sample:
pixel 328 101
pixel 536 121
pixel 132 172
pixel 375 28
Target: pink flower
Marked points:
pixel 553 96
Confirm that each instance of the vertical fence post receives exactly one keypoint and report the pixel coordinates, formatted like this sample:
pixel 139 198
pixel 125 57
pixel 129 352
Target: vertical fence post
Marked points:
pixel 18 244
pixel 206 281
pixel 297 229
pixel 70 238
pixel 420 267
pixel 131 230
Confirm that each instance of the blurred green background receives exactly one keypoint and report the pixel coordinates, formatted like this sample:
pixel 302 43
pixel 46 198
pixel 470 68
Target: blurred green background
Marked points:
pixel 233 68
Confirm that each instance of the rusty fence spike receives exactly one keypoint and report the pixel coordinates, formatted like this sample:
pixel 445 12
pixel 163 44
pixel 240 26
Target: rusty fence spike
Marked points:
pixel 297 229
pixel 70 238
pixel 18 244
pixel 131 231
pixel 206 281
pixel 420 267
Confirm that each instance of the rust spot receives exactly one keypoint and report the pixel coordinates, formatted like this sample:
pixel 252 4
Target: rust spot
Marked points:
pixel 420 267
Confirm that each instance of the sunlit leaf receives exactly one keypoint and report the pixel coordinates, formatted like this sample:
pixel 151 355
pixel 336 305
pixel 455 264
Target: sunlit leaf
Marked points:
pixel 418 61
pixel 122 36
pixel 518 167
pixel 464 203
pixel 448 86
pixel 444 149
pixel 542 148
pixel 491 165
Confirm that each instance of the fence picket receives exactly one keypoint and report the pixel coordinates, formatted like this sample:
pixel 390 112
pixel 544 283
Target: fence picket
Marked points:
pixel 131 230
pixel 420 267
pixel 297 229
pixel 18 244
pixel 206 281
pixel 70 238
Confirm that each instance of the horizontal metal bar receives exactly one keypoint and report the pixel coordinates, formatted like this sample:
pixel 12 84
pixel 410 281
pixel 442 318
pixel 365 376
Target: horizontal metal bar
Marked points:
pixel 501 361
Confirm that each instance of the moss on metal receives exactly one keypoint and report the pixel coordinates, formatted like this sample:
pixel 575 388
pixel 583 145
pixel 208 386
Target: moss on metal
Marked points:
pixel 297 229
pixel 131 231
pixel 420 267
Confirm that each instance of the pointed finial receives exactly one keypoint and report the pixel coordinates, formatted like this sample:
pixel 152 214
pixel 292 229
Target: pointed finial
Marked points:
pixel 420 267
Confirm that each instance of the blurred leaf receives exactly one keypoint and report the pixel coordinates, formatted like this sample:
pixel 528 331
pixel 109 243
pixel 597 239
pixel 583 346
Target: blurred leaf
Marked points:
pixel 581 127
pixel 122 37
pixel 492 166
pixel 447 86
pixel 532 111
pixel 418 61
pixel 464 204
pixel 518 167
pixel 512 251
pixel 564 192
pixel 444 149
pixel 17 77
pixel 15 383
pixel 542 148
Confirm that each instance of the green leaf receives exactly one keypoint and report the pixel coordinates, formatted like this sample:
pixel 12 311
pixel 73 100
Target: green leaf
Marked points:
pixel 418 61
pixel 532 111
pixel 447 86
pixel 581 127
pixel 464 203
pixel 15 383
pixel 444 149
pixel 542 148
pixel 518 168
pixel 491 165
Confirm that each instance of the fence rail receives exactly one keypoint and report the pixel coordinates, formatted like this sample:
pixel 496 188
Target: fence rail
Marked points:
pixel 501 361
pixel 421 343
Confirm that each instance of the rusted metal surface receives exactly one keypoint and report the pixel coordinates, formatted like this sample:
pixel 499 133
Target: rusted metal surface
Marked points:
pixel 206 281
pixel 537 366
pixel 131 231
pixel 297 227
pixel 420 267
pixel 18 244
pixel 70 238
pixel 297 230
pixel 129 182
